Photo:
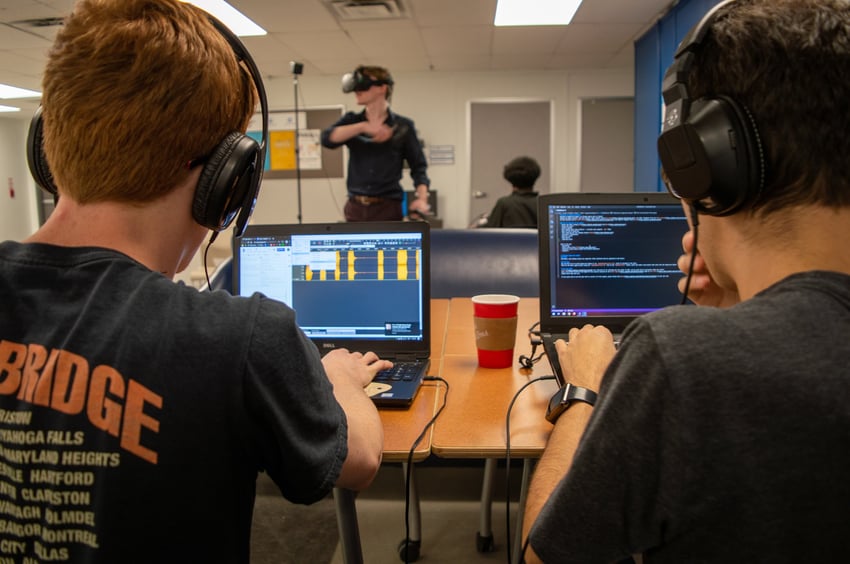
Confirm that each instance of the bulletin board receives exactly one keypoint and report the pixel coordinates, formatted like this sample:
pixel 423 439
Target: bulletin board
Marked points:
pixel 315 161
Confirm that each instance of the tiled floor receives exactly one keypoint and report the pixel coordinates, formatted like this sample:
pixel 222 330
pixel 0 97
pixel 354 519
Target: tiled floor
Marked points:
pixel 450 516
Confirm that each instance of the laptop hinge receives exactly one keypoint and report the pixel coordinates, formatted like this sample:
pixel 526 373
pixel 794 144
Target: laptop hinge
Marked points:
pixel 406 357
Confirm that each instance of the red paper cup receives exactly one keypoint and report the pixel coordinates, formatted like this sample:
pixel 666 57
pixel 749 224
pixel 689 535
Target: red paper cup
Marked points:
pixel 495 317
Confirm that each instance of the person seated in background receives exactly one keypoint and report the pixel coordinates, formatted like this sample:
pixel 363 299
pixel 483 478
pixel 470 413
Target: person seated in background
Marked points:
pixel 136 412
pixel 519 208
pixel 720 431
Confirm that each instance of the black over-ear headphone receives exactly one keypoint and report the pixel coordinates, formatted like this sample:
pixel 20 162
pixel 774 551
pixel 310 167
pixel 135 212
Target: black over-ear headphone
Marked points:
pixel 709 148
pixel 230 180
pixel 357 81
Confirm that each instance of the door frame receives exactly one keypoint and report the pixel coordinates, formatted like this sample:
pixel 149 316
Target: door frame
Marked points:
pixel 506 101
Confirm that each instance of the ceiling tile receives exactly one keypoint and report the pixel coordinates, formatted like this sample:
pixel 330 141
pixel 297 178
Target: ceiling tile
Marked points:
pixel 453 12
pixel 469 40
pixel 526 40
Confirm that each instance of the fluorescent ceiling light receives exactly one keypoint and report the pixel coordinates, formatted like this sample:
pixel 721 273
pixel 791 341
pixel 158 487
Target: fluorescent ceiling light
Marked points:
pixel 229 16
pixel 9 92
pixel 9 109
pixel 535 12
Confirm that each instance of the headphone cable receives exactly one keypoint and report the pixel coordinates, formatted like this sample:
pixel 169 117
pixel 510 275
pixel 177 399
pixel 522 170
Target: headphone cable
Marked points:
pixel 535 340
pixel 409 469
pixel 206 253
pixel 695 224
pixel 508 461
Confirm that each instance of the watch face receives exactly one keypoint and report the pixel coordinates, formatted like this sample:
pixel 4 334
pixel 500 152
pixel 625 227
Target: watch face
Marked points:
pixel 557 405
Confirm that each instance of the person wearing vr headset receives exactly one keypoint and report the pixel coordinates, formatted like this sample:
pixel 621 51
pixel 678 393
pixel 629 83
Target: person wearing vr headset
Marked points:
pixel 379 142
pixel 136 412
pixel 719 433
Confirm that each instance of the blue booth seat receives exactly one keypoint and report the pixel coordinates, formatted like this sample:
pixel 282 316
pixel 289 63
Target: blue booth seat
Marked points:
pixel 466 262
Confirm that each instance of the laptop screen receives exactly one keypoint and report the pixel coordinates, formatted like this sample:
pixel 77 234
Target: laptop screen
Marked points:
pixel 609 255
pixel 362 286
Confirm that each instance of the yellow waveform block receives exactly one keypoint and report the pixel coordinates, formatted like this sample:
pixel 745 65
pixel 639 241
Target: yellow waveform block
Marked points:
pixel 351 270
pixel 336 268
pixel 402 265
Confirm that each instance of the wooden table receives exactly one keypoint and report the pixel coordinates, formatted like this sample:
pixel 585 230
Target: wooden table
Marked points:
pixel 473 425
pixel 401 428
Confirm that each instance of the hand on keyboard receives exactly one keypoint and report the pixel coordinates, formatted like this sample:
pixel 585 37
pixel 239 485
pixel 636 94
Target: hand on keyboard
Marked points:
pixel 585 359
pixel 358 366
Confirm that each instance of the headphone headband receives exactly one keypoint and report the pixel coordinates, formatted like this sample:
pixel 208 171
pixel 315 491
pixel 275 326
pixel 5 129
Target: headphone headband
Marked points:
pixel 674 87
pixel 710 149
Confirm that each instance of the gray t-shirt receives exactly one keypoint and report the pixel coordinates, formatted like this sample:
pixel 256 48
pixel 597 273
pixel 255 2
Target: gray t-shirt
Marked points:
pixel 719 436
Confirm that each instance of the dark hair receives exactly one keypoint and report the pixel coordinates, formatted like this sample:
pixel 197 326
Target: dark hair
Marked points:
pixel 522 172
pixel 787 61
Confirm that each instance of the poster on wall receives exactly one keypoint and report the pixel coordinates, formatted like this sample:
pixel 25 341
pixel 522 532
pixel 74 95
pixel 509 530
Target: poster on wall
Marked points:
pixel 313 160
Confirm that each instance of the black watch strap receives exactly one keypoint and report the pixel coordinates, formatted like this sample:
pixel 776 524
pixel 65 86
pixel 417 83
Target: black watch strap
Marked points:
pixel 564 397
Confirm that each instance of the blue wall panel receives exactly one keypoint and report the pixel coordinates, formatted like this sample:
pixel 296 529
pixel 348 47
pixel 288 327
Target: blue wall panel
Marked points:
pixel 647 110
pixel 653 54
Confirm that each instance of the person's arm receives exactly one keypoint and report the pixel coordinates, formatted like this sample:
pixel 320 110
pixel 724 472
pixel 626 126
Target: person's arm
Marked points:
pixel 350 373
pixel 420 202
pixel 583 362
pixel 377 132
pixel 351 125
pixel 415 158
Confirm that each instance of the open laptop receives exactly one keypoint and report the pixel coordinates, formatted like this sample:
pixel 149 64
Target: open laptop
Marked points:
pixel 604 260
pixel 360 286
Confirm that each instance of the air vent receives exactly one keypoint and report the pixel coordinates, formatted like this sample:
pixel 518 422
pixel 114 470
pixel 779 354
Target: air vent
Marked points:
pixel 348 10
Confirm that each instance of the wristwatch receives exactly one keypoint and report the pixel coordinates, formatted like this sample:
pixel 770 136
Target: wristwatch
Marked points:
pixel 564 397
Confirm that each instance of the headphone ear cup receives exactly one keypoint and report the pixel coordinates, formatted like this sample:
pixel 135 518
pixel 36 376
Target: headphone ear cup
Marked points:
pixel 228 182
pixel 36 159
pixel 714 159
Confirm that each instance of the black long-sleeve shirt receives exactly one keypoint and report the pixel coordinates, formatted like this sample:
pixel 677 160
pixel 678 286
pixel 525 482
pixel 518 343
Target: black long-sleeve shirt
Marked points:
pixel 375 169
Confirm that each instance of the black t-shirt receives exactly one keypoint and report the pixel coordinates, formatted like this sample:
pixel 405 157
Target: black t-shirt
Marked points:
pixel 518 209
pixel 135 412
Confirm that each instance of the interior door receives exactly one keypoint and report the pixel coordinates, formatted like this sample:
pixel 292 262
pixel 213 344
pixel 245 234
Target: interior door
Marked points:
pixel 499 131
pixel 607 145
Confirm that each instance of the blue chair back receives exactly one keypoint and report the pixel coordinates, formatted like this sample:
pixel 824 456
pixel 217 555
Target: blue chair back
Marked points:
pixel 466 262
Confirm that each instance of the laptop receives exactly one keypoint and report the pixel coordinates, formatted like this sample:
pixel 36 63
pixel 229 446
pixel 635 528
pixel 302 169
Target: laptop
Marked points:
pixel 605 259
pixel 360 286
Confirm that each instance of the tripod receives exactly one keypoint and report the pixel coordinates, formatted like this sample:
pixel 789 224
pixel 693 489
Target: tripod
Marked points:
pixel 297 69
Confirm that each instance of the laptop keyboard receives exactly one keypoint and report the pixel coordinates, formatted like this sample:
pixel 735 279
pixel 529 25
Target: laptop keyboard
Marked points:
pixel 403 371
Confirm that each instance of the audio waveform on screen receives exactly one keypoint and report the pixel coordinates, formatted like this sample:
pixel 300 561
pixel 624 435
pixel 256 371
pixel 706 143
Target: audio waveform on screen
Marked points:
pixel 369 265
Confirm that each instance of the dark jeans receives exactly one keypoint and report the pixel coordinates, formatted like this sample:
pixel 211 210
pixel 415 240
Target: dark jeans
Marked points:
pixel 385 210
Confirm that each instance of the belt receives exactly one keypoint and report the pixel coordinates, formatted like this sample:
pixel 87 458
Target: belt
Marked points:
pixel 366 200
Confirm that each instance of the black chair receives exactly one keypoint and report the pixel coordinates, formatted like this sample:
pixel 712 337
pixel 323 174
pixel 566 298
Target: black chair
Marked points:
pixel 467 262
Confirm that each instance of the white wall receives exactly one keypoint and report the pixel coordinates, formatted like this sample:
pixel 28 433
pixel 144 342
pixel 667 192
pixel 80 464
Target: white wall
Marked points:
pixel 437 102
pixel 18 213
